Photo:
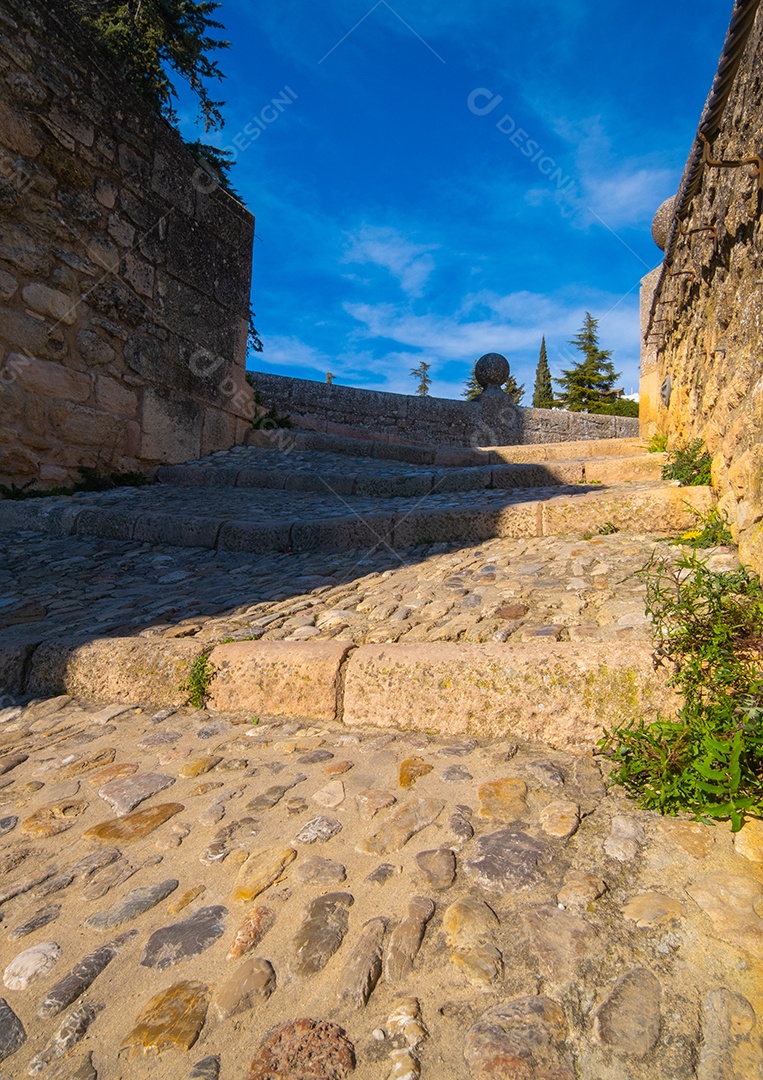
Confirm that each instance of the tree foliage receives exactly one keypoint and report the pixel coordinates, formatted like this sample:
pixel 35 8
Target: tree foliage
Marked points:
pixel 422 374
pixel 543 392
pixel 472 389
pixel 148 39
pixel 590 381
pixel 514 390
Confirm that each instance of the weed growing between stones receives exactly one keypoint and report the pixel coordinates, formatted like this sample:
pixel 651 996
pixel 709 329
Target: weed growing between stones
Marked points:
pixel 689 465
pixel 265 419
pixel 199 678
pixel 92 480
pixel 713 530
pixel 608 529
pixel 709 761
pixel 658 444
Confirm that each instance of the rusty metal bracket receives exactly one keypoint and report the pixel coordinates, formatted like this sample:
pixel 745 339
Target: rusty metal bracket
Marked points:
pixel 756 161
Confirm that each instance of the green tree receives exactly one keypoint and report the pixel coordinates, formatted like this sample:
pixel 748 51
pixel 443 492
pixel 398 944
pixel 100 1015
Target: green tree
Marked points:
pixel 515 392
pixel 472 390
pixel 590 381
pixel 543 392
pixel 422 374
pixel 147 39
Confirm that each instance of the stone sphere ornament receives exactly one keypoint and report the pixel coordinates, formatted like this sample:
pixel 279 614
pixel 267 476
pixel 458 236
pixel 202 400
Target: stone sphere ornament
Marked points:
pixel 491 371
pixel 663 222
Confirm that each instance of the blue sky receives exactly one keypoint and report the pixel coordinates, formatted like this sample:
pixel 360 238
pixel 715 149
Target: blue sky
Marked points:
pixel 401 216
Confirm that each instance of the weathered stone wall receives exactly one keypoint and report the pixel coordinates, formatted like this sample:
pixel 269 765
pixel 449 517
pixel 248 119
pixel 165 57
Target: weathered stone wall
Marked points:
pixel 124 274
pixel 491 420
pixel 707 330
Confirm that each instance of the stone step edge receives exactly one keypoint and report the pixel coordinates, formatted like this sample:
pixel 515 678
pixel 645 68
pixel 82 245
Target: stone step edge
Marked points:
pixel 287 439
pixel 657 508
pixel 514 475
pixel 552 692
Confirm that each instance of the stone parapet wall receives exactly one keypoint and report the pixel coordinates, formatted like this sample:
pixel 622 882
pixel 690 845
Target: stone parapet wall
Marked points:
pixel 706 331
pixel 491 420
pixel 124 273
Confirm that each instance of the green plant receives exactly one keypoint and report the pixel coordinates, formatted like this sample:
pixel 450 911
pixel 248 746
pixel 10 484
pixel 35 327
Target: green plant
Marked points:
pixel 148 38
pixel 265 419
pixel 543 391
pixel 689 465
pixel 708 627
pixel 589 381
pixel 658 444
pixel 422 374
pixel 199 678
pixel 608 529
pixel 92 480
pixel 254 720
pixel 713 530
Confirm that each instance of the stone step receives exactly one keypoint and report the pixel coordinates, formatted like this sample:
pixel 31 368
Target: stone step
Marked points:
pixel 324 472
pixel 288 440
pixel 261 521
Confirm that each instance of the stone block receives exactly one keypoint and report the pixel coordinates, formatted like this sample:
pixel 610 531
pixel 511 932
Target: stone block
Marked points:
pixel 129 670
pixel 552 692
pixel 113 397
pixel 104 254
pixel 613 470
pixel 78 426
pixel 218 431
pixel 172 173
pixel 17 465
pixel 171 427
pixel 109 522
pixel 657 509
pixel 133 165
pixel 52 302
pixel 279 678
pixel 139 274
pixel 76 126
pixel 121 231
pixel 8 285
pixel 51 380
pixel 180 531
pixel 259 538
pixel 19 134
pixel 343 534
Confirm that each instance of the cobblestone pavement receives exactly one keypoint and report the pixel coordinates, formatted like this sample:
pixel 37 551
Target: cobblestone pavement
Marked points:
pixel 500 590
pixel 195 884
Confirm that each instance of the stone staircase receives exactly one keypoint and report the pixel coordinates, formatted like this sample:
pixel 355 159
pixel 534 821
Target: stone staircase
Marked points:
pixel 296 492
pixel 329 578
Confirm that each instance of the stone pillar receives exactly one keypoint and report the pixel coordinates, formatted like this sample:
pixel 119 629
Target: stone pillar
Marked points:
pixel 498 423
pixel 650 408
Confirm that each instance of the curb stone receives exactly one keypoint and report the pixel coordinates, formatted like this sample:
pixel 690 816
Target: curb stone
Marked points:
pixel 548 691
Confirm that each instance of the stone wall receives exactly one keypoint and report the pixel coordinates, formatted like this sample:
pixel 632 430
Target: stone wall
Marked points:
pixel 706 326
pixel 491 420
pixel 124 273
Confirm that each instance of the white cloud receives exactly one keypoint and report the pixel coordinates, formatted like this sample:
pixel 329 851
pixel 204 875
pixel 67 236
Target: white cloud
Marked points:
pixel 411 264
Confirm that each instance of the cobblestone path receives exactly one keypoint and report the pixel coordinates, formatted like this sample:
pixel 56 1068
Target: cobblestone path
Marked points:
pixel 194 885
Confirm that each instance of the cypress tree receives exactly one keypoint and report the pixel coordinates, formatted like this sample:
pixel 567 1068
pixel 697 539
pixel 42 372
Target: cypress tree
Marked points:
pixel 543 394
